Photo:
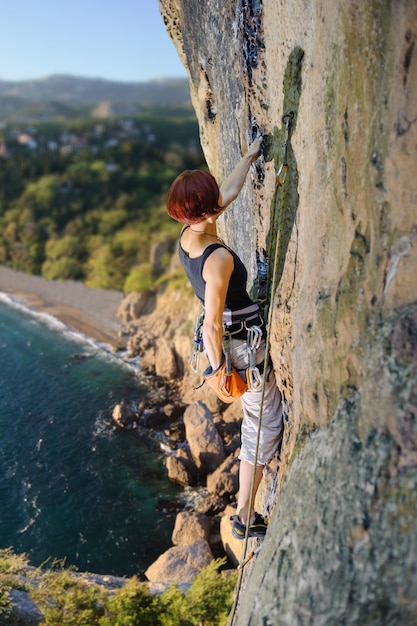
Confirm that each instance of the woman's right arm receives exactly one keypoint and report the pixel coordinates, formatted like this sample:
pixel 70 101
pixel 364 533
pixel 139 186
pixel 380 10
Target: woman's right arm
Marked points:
pixel 230 188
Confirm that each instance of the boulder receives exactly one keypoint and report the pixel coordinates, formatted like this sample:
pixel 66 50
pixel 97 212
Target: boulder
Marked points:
pixel 147 357
pixel 132 306
pixel 211 505
pixel 165 361
pixel 205 442
pixel 153 418
pixel 176 432
pixel 24 611
pixel 233 447
pixel 224 481
pixel 181 468
pixel 233 413
pixel 191 390
pixel 230 434
pixel 173 411
pixel 190 527
pixel 134 346
pixel 232 546
pixel 180 564
pixel 124 416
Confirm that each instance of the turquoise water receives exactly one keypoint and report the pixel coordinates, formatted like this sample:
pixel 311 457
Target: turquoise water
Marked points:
pixel 73 486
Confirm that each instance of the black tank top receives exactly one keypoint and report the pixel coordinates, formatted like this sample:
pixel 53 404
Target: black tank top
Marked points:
pixel 239 305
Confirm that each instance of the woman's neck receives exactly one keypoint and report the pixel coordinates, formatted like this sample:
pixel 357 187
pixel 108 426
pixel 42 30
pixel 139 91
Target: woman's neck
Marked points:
pixel 204 228
pixel 195 238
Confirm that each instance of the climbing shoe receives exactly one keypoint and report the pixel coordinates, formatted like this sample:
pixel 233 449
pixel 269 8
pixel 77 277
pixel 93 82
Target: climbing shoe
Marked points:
pixel 257 529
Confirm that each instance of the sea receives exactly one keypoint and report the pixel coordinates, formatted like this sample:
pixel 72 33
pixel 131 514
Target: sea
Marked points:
pixel 75 489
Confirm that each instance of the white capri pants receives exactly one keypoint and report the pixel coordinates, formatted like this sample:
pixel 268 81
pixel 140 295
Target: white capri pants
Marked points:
pixel 272 422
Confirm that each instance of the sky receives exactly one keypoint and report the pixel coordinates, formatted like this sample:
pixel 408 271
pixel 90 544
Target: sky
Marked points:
pixel 123 40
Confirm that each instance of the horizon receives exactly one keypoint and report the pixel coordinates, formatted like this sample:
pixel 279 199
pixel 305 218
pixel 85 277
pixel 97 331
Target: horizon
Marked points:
pixel 99 78
pixel 128 43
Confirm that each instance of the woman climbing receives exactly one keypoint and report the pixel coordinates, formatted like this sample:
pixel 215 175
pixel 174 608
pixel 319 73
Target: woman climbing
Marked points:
pixel 232 321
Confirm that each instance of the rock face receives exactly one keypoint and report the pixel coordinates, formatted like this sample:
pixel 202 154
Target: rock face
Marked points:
pixel 341 237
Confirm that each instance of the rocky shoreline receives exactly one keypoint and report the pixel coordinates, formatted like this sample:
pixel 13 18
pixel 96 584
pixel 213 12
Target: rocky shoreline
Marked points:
pixel 201 434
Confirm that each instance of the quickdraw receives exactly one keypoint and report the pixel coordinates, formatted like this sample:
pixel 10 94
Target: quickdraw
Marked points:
pixel 197 344
pixel 249 557
pixel 253 376
pixel 227 351
pixel 281 175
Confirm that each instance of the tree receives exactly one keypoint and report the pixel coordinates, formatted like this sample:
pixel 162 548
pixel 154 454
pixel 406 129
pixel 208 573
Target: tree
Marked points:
pixel 102 273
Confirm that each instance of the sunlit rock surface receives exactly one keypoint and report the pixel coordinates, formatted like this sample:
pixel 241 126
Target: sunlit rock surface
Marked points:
pixel 342 546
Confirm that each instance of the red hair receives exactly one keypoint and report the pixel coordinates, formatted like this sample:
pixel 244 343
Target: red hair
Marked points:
pixel 193 197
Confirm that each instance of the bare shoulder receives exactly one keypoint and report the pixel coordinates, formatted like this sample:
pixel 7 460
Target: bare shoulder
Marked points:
pixel 218 265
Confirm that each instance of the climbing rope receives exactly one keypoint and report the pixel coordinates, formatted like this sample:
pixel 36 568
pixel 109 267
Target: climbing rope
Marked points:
pixel 281 176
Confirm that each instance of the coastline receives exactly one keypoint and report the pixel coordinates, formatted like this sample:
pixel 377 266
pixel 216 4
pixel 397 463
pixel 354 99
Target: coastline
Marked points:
pixel 93 312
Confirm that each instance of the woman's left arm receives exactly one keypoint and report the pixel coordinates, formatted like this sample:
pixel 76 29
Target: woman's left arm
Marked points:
pixel 217 271
pixel 230 188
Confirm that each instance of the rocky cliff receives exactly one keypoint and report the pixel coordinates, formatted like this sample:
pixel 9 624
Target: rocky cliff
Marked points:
pixel 342 545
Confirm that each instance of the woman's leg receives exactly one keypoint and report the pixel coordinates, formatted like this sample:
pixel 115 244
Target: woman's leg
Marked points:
pixel 253 402
pixel 245 481
pixel 267 401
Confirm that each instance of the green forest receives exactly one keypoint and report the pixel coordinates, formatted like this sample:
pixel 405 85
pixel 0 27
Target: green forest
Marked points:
pixel 85 199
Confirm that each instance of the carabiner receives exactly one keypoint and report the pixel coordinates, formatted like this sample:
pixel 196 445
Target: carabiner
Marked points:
pixel 254 337
pixel 194 360
pixel 287 119
pixel 227 351
pixel 249 557
pixel 281 176
pixel 253 379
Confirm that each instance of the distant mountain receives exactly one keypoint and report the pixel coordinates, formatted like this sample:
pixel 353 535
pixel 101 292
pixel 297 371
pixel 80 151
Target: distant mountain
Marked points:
pixel 63 95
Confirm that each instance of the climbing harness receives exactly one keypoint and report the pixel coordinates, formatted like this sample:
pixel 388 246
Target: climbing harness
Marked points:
pixel 254 339
pixel 253 342
pixel 281 177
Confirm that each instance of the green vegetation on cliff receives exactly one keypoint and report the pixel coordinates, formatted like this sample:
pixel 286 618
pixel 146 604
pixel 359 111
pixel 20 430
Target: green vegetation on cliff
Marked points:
pixel 65 598
pixel 84 200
